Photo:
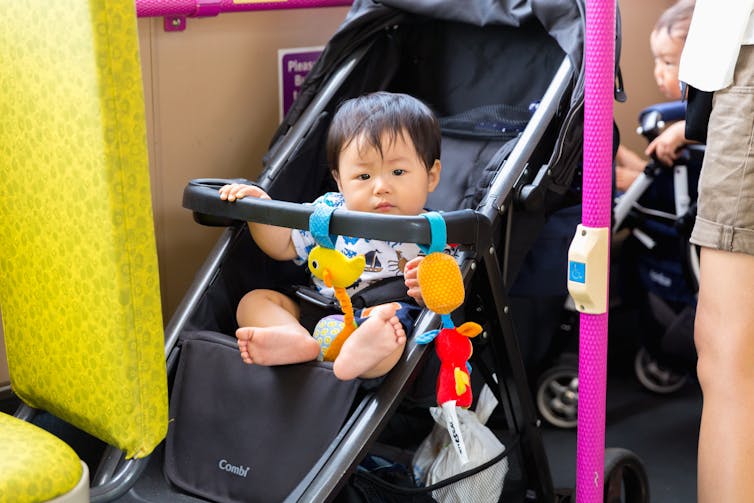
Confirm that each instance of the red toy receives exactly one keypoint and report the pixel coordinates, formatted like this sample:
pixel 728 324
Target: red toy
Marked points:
pixel 454 349
pixel 443 291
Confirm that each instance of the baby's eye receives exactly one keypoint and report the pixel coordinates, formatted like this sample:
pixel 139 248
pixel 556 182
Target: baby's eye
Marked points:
pixel 399 172
pixel 363 176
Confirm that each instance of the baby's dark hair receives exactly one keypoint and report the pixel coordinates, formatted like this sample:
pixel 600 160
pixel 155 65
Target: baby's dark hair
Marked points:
pixel 377 113
pixel 676 19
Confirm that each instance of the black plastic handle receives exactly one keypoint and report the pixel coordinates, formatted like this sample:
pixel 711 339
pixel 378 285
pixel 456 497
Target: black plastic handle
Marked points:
pixel 201 196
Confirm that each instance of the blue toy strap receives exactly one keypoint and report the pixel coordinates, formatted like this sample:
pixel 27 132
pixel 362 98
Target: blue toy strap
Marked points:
pixel 438 233
pixel 426 337
pixel 319 226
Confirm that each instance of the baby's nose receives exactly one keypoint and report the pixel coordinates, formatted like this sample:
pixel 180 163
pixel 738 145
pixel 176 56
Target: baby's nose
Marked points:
pixel 381 184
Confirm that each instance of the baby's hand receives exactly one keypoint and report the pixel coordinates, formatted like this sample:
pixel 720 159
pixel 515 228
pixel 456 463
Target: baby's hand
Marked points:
pixel 235 191
pixel 665 147
pixel 411 276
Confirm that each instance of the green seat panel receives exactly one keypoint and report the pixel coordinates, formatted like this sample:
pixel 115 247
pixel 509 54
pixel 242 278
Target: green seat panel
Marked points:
pixel 35 465
pixel 79 285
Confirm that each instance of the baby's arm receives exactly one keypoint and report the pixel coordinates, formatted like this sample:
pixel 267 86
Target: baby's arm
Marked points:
pixel 665 146
pixel 628 159
pixel 410 274
pixel 275 241
pixel 628 165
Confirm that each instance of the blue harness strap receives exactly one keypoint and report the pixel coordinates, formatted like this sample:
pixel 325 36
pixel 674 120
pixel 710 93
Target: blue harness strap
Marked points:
pixel 319 226
pixel 438 233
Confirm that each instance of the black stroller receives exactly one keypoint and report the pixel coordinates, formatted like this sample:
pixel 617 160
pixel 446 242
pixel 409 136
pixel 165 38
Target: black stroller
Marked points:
pixel 655 281
pixel 506 79
pixel 660 266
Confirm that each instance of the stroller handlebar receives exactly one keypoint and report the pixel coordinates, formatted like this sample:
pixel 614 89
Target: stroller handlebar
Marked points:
pixel 201 196
pixel 652 119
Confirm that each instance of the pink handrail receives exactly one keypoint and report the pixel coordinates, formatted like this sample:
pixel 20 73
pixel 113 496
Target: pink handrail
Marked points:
pixel 598 117
pixel 203 8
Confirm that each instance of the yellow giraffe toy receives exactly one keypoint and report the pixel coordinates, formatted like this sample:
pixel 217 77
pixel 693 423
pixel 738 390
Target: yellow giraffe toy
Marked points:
pixel 338 272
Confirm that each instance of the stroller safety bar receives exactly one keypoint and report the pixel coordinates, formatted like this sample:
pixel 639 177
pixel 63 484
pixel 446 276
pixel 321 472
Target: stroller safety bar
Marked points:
pixel 202 197
pixel 653 118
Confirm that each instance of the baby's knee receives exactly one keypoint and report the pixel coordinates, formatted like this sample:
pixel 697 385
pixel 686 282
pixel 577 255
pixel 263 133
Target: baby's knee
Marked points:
pixel 262 296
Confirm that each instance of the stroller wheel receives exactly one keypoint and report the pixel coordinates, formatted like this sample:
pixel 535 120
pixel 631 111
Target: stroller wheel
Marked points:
pixel 558 395
pixel 625 477
pixel 654 376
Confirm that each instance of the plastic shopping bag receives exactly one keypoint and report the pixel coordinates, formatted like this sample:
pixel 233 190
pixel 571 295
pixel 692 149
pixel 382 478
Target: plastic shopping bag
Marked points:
pixel 436 459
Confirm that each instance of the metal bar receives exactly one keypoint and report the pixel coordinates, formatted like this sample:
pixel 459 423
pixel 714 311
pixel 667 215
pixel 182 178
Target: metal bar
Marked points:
pixel 202 280
pixel 125 478
pixel 514 384
pixel 204 8
pixel 202 197
pixel 504 182
pixel 298 131
pixel 626 201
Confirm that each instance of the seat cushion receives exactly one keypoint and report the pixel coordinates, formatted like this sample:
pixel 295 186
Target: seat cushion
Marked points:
pixel 36 465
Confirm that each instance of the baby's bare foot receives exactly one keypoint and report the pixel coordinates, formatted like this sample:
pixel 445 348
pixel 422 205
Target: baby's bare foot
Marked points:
pixel 369 351
pixel 244 336
pixel 278 345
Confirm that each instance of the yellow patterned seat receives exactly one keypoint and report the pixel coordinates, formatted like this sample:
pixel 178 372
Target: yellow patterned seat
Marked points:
pixel 79 287
pixel 26 450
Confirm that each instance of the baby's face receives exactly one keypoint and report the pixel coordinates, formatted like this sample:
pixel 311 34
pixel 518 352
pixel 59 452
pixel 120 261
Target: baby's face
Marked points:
pixel 666 49
pixel 395 183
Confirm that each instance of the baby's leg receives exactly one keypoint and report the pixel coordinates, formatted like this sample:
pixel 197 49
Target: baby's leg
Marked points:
pixel 374 348
pixel 270 332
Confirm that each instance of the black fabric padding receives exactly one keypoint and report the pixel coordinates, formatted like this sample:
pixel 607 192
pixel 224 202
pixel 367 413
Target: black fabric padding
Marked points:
pixel 467 171
pixel 227 416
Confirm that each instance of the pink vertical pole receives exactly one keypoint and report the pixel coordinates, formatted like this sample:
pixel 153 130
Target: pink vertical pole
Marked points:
pixel 598 137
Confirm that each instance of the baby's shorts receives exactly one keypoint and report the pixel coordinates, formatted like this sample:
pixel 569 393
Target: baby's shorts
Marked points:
pixel 330 326
pixel 725 209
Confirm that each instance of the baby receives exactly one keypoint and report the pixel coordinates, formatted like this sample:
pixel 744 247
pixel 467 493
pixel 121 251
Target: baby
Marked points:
pixel 383 150
pixel 666 41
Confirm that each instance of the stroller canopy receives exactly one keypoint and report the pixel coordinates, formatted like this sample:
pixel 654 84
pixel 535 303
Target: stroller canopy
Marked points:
pixel 436 50
pixel 563 20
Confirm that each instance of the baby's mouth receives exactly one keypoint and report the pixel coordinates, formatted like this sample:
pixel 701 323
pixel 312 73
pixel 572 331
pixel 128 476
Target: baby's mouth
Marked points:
pixel 384 207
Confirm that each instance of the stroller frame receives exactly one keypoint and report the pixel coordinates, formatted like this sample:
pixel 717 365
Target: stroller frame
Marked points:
pixel 468 227
pixel 529 178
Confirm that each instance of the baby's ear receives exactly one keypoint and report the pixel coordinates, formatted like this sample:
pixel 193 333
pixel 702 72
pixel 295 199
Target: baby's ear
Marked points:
pixel 336 177
pixel 434 175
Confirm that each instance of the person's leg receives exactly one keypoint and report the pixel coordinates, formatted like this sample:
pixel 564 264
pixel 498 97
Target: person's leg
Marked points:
pixel 374 348
pixel 270 332
pixel 724 325
pixel 724 337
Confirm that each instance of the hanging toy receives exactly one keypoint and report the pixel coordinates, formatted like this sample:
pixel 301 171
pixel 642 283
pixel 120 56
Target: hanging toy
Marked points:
pixel 337 272
pixel 442 289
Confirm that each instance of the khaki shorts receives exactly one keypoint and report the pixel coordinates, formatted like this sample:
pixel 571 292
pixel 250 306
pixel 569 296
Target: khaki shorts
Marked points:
pixel 725 214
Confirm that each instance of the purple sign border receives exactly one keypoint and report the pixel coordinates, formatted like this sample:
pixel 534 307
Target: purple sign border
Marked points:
pixel 293 66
